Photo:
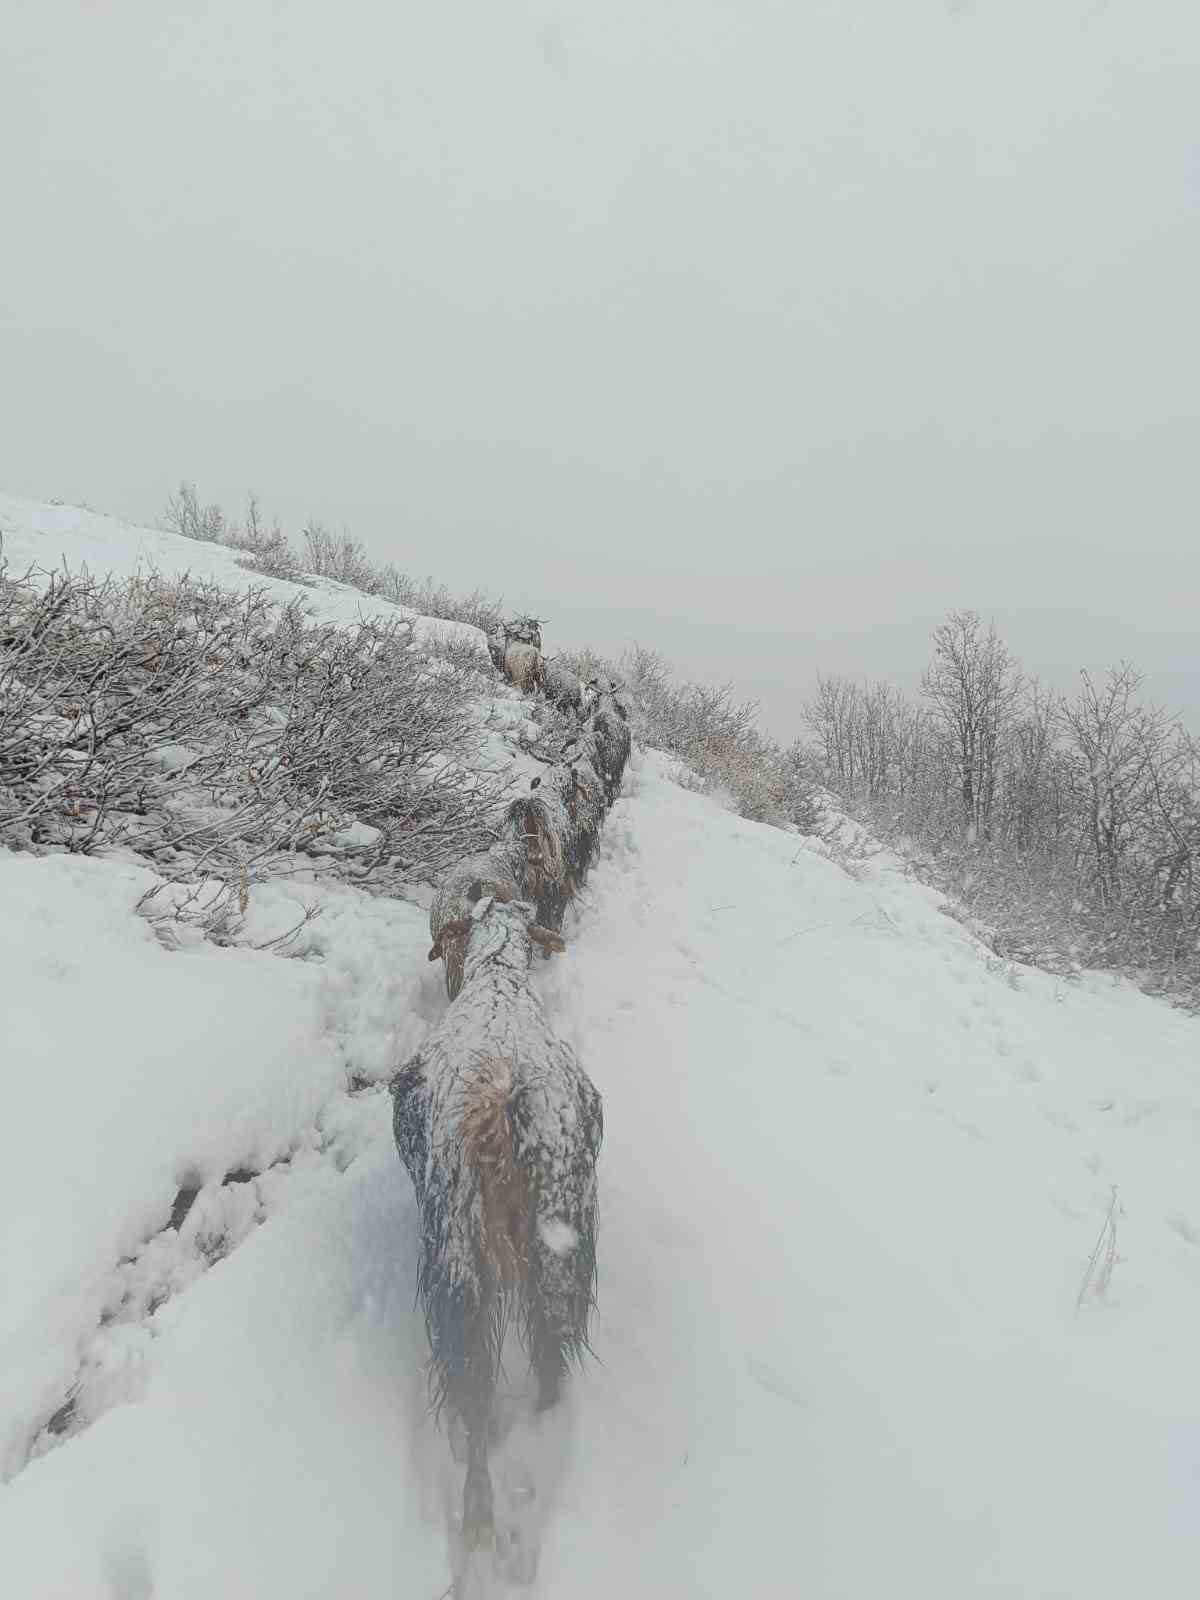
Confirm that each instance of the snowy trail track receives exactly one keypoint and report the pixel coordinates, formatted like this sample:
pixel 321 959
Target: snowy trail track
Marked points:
pixel 208 1222
pixel 858 1177
pixel 850 1180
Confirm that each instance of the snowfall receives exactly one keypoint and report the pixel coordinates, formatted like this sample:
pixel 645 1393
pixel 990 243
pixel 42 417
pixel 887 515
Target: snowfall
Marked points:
pixel 899 1258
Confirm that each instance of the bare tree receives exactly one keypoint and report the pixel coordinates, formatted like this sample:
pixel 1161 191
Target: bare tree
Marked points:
pixel 264 549
pixel 1082 817
pixel 185 515
pixel 338 556
pixel 832 717
pixel 1035 800
pixel 1117 742
pixel 974 685
pixel 912 740
pixel 1175 826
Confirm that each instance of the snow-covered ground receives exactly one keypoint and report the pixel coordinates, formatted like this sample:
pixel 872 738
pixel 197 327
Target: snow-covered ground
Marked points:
pixel 853 1173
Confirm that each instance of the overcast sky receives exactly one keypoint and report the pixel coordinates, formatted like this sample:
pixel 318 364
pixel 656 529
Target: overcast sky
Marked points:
pixel 762 331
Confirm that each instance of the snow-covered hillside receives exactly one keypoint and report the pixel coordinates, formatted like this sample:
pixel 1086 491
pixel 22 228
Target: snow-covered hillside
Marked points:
pixel 48 535
pixel 853 1173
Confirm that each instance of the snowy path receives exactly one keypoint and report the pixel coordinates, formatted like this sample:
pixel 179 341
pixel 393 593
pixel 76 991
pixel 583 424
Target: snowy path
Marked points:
pixel 860 1176
pixel 850 1181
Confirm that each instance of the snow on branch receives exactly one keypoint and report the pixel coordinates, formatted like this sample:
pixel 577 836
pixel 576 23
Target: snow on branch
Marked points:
pixel 225 738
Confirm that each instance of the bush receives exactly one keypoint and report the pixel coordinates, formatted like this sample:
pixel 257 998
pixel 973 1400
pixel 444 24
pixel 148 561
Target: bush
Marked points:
pixel 338 557
pixel 265 550
pixel 227 739
pixel 185 515
pixel 1067 830
pixel 707 728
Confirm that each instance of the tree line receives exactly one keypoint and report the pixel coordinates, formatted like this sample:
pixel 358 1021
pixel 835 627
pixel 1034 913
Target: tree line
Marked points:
pixel 1071 821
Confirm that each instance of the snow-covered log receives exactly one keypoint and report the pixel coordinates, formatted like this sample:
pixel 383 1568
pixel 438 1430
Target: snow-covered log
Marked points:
pixel 499 1128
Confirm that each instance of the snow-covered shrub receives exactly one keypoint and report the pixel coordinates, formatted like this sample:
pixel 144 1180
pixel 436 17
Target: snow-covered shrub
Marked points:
pixel 339 557
pixel 707 728
pixel 435 600
pixel 1067 826
pixel 459 652
pixel 185 515
pixel 804 807
pixel 226 738
pixel 343 558
pixel 264 549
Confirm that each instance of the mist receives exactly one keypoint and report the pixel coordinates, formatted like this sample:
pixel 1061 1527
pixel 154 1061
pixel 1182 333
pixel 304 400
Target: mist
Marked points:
pixel 763 334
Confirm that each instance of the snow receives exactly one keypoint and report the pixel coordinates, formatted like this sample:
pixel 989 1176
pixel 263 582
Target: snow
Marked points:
pixel 557 1235
pixel 135 1071
pixel 853 1171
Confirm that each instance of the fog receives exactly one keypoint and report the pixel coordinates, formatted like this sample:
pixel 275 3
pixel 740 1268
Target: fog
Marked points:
pixel 764 333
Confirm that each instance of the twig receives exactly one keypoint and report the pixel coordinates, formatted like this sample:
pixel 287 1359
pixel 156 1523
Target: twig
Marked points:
pixel 1104 1256
pixel 310 914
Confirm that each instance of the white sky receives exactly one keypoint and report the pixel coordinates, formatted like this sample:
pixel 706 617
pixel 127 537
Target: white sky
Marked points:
pixel 763 331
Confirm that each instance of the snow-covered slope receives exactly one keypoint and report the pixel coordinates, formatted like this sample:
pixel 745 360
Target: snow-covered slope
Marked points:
pixel 853 1173
pixel 48 535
